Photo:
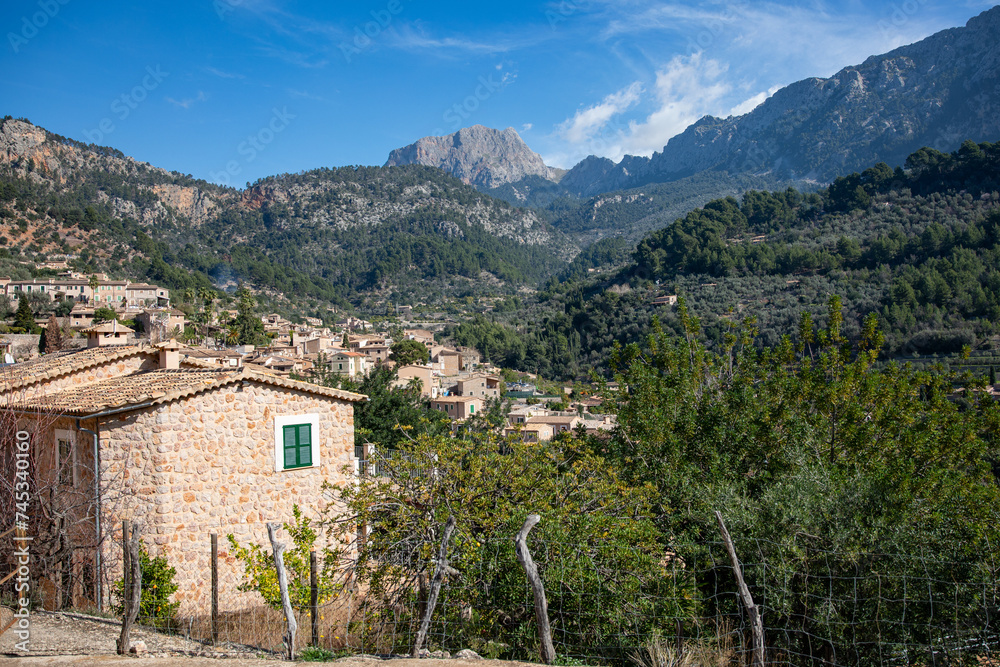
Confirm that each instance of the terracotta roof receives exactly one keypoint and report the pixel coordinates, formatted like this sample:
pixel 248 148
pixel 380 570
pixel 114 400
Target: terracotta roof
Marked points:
pixel 58 364
pixel 161 386
pixel 554 419
pixel 114 326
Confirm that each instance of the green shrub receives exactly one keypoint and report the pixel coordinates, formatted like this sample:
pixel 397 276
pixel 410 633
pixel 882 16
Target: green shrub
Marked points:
pixel 155 607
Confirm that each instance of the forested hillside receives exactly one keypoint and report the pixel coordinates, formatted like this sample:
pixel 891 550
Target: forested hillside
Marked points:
pixel 919 247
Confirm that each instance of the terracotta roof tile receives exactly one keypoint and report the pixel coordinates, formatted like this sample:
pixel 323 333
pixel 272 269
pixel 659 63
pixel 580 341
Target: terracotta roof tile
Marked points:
pixel 58 364
pixel 161 386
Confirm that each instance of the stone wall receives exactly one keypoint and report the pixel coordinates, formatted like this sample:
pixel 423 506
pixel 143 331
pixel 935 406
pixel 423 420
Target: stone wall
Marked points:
pixel 23 346
pixel 206 464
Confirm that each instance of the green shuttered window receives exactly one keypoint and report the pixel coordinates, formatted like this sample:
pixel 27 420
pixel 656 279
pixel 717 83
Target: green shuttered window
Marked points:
pixel 298 445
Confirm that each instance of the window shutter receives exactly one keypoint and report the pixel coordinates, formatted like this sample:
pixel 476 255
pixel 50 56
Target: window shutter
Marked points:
pixel 291 458
pixel 297 445
pixel 305 444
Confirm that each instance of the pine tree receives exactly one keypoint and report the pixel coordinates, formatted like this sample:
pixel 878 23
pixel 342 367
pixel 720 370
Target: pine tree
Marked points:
pixel 24 318
pixel 53 335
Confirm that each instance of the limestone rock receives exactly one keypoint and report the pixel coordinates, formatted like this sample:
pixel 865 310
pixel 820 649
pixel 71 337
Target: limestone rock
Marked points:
pixel 467 654
pixel 479 156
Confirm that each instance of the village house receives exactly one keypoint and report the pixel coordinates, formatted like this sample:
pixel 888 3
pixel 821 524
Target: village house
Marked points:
pixel 109 333
pixel 449 361
pixel 351 364
pixel 423 374
pixel 476 384
pixel 109 293
pixel 220 358
pixel 530 432
pixel 184 451
pixel 558 423
pixel 165 320
pixel 419 335
pixel 376 354
pixel 458 407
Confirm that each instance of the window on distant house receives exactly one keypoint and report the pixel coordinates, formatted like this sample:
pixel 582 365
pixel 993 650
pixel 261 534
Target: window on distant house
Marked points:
pixel 296 442
pixel 66 461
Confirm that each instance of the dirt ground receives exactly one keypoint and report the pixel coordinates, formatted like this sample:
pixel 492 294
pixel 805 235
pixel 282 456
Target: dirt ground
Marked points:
pixel 63 640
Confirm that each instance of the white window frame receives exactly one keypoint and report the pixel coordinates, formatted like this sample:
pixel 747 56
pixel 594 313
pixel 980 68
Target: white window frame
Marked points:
pixel 65 434
pixel 280 422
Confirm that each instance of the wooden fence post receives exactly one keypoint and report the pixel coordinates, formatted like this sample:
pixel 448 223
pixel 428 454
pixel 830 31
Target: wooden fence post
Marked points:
pixel 541 606
pixel 756 621
pixel 440 570
pixel 286 604
pixel 133 585
pixel 314 596
pixel 215 588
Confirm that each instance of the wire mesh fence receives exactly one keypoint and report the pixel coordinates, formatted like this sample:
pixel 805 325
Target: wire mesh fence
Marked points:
pixel 610 604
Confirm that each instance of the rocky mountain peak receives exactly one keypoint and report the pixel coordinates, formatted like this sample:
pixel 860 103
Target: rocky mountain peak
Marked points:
pixel 479 156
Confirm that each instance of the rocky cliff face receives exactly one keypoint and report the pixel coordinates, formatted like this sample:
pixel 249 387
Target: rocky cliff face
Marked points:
pixel 937 92
pixel 479 156
pixel 44 157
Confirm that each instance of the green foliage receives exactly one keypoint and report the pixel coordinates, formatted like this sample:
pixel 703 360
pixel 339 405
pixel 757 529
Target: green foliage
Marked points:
pixel 104 314
pixel 260 575
pixel 594 526
pixel 392 414
pixel 318 654
pixel 814 440
pixel 247 327
pixel 24 318
pixel 405 352
pixel 155 607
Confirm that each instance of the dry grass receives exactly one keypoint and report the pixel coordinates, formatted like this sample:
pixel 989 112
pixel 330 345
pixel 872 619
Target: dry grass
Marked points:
pixel 717 651
pixel 342 625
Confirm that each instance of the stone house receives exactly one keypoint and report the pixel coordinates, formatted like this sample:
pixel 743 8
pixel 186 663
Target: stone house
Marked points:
pixel 109 333
pixel 181 449
pixel 531 432
pixel 450 361
pixel 419 335
pixel 376 354
pixel 423 374
pixel 164 320
pixel 559 423
pixel 351 364
pixel 458 407
pixel 477 384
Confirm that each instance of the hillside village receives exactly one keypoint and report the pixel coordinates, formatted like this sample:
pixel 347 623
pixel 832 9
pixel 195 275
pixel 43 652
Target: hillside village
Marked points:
pixel 454 380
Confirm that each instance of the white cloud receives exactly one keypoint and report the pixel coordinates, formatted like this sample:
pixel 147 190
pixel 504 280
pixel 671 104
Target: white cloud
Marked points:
pixel 188 102
pixel 223 74
pixel 586 123
pixel 527 127
pixel 749 105
pixel 686 90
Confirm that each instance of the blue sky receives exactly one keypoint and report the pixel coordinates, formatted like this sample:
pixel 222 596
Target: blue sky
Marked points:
pixel 234 90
